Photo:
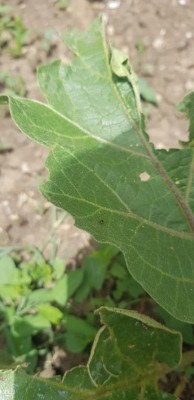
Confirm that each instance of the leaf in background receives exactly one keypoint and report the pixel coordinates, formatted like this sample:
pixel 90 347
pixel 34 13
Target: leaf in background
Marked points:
pixel 97 302
pixel 94 268
pixel 17 345
pixel 127 285
pixel 40 273
pixel 118 270
pixel 21 330
pixel 106 173
pixel 79 333
pixel 39 296
pixel 9 274
pixel 146 92
pixel 125 363
pixel 124 281
pixel 36 322
pixel 58 268
pixel 10 292
pixel 185 329
pixel 50 313
pixel 9 280
pixel 66 286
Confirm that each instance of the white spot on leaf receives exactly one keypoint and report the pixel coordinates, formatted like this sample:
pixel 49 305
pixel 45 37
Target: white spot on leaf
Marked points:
pixel 144 176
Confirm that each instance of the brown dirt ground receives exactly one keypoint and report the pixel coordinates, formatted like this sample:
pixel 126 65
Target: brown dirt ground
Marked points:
pixel 167 32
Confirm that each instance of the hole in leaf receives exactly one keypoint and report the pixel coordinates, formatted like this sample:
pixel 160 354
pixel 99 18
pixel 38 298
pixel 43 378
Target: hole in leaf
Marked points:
pixel 144 176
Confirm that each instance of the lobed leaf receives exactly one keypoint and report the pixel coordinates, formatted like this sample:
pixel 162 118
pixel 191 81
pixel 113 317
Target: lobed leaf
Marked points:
pixel 106 173
pixel 129 355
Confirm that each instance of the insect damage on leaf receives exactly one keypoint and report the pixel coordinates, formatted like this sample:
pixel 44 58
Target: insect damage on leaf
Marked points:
pixel 95 129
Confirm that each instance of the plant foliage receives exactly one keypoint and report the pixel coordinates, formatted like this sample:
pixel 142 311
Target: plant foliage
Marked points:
pixel 118 366
pixel 34 298
pixel 13 33
pixel 107 174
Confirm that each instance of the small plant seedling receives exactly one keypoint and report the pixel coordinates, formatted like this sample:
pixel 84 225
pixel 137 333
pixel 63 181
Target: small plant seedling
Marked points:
pixel 12 85
pixel 5 147
pixel 34 298
pixel 39 291
pixel 13 33
pixel 140 46
pixel 62 4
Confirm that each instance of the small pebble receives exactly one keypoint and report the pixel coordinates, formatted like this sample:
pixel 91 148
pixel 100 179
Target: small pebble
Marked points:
pixel 188 35
pixel 113 4
pixel 22 6
pixel 162 32
pixel 182 2
pixel 47 205
pixel 183 44
pixel 22 199
pixel 159 97
pixel 125 49
pixel 158 43
pixel 5 203
pixel 148 69
pixel 14 217
pixel 189 86
pixel 110 30
pixel 25 168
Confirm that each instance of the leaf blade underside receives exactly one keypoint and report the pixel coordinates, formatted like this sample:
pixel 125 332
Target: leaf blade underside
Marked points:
pixel 129 355
pixel 106 173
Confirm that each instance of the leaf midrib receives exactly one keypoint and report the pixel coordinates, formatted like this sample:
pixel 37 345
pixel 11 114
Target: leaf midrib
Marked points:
pixel 182 235
pixel 184 207
pixel 157 165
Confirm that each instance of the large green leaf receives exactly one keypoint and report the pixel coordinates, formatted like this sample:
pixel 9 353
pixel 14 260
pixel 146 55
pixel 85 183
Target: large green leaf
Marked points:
pixel 129 355
pixel 106 173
